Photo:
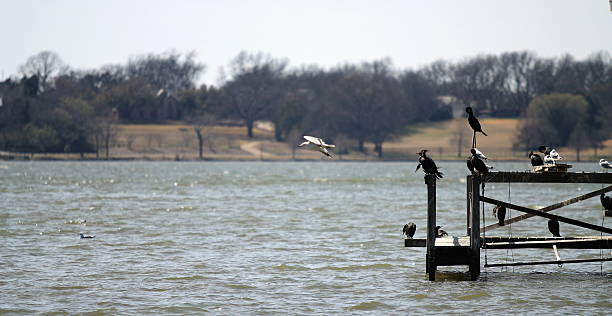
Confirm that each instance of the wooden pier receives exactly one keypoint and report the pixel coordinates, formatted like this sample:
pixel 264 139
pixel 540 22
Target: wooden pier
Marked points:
pixel 465 250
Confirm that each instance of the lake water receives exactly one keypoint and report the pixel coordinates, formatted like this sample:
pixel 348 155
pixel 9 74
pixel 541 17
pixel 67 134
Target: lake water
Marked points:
pixel 260 238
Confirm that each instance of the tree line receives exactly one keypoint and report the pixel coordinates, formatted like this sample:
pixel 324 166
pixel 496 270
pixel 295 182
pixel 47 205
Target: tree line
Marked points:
pixel 52 108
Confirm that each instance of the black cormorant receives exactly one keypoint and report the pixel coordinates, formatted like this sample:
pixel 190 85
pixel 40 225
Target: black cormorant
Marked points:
pixel 475 124
pixel 429 166
pixel 440 232
pixel 500 212
pixel 536 160
pixel 553 227
pixel 409 230
pixel 606 202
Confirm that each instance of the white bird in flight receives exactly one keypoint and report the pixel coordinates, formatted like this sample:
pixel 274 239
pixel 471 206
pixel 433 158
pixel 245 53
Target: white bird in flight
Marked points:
pixel 318 144
pixel 604 164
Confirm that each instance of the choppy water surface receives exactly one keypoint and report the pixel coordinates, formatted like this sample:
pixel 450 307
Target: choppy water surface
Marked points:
pixel 269 238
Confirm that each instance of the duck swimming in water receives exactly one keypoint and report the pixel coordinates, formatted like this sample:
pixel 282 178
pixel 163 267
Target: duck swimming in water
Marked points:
pixel 87 236
pixel 604 164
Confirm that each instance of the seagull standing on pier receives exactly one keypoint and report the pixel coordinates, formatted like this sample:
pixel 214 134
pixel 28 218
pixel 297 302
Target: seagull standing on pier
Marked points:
pixel 429 166
pixel 604 164
pixel 479 153
pixel 474 124
pixel 548 160
pixel 318 144
pixel 477 163
pixel 409 230
pixel 536 160
pixel 553 227
pixel 555 155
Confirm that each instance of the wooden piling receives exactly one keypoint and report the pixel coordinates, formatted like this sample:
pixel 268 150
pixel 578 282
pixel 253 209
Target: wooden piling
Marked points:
pixel 475 228
pixel 430 265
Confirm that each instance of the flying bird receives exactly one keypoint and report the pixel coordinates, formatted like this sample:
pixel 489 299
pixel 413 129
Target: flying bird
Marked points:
pixel 606 202
pixel 604 164
pixel 440 232
pixel 536 160
pixel 500 212
pixel 317 144
pixel 474 124
pixel 429 166
pixel 87 236
pixel 553 227
pixel 409 230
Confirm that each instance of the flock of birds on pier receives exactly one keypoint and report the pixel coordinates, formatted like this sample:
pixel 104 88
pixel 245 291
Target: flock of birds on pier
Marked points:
pixel 476 163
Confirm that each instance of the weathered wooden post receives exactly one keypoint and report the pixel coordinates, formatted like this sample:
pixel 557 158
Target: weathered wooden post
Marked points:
pixel 475 227
pixel 468 199
pixel 430 258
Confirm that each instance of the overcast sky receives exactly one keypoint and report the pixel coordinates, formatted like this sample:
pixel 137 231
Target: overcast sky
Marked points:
pixel 91 34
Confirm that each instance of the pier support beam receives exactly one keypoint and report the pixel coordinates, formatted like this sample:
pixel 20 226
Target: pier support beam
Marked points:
pixel 430 258
pixel 475 227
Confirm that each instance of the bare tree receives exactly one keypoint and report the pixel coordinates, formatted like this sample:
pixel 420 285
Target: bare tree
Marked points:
pixel 44 65
pixel 254 88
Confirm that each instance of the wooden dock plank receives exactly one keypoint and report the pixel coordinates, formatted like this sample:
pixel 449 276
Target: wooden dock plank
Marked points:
pixel 568 244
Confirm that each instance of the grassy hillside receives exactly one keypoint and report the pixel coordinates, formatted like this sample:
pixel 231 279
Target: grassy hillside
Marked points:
pixel 446 140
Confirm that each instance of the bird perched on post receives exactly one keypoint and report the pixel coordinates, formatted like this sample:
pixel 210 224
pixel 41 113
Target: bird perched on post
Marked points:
pixel 477 163
pixel 553 227
pixel 606 202
pixel 474 124
pixel 440 232
pixel 536 160
pixel 316 143
pixel 604 164
pixel 429 166
pixel 500 212
pixel 478 153
pixel 409 230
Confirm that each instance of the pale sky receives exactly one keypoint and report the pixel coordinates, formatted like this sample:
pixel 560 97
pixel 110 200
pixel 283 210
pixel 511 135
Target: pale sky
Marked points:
pixel 90 34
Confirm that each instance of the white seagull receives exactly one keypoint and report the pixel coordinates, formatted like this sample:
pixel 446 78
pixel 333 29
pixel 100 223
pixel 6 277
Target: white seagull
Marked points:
pixel 604 164
pixel 548 160
pixel 479 153
pixel 316 143
pixel 555 155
